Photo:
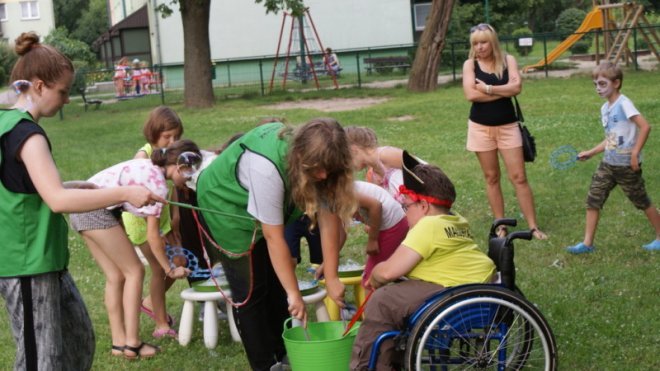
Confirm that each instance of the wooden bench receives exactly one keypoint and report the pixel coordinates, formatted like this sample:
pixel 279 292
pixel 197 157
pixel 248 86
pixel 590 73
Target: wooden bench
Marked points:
pixel 387 64
pixel 87 102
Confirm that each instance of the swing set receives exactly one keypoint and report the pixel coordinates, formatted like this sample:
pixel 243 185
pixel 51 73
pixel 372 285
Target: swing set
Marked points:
pixel 304 45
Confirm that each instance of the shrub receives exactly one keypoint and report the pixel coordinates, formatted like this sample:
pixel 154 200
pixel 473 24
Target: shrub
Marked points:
pixel 75 50
pixel 7 59
pixel 519 33
pixel 580 47
pixel 568 21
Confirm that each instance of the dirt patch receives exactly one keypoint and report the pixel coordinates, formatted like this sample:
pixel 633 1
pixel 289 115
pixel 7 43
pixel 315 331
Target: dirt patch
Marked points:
pixel 330 105
pixel 402 118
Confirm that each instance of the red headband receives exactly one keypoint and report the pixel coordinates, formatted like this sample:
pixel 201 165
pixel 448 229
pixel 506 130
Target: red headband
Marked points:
pixel 417 197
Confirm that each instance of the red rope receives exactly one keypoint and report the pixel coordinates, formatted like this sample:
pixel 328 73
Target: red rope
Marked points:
pixel 202 233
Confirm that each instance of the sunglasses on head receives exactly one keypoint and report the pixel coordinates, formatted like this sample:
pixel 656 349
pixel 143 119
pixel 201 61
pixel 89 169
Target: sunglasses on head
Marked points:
pixel 481 27
pixel 188 163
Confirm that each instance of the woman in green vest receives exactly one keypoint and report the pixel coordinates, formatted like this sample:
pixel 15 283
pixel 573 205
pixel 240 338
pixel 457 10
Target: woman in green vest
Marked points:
pixel 263 179
pixel 49 321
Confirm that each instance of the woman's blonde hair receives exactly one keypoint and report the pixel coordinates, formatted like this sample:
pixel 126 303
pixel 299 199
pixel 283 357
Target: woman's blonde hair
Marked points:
pixel 361 136
pixel 321 144
pixel 486 32
pixel 36 60
pixel 161 119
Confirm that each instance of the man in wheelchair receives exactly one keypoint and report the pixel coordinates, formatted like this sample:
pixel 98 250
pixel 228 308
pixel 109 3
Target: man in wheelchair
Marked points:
pixel 438 252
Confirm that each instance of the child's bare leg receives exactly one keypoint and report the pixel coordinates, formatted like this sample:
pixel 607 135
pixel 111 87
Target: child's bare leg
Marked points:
pixel 124 276
pixel 654 217
pixel 157 288
pixel 593 215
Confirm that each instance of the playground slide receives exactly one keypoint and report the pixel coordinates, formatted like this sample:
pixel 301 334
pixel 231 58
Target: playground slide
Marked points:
pixel 593 20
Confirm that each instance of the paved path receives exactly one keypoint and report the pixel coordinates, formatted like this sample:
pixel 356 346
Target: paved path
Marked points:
pixel 583 67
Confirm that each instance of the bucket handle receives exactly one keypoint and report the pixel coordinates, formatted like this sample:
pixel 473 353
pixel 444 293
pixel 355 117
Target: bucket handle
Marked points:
pixel 285 324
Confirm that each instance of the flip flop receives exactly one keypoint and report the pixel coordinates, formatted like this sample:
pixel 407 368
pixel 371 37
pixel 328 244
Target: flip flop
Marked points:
pixel 136 350
pixel 119 349
pixel 163 332
pixel 150 313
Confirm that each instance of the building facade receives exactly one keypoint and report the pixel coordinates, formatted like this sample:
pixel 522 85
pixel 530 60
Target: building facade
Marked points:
pixel 19 16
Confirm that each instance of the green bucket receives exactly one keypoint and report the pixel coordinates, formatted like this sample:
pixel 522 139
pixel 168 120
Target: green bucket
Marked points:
pixel 325 350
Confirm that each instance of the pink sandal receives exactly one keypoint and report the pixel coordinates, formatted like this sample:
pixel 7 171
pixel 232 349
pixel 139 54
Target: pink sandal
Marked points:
pixel 165 332
pixel 150 313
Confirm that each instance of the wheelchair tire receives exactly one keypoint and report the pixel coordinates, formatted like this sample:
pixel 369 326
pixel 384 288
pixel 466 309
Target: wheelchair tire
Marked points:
pixel 481 327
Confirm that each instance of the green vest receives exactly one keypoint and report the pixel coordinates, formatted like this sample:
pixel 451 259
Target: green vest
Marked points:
pixel 218 187
pixel 33 239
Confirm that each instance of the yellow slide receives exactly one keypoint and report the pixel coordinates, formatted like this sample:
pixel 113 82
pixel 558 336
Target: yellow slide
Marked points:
pixel 593 20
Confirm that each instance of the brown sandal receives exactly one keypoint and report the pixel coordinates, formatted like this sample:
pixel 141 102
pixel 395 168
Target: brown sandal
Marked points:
pixel 136 351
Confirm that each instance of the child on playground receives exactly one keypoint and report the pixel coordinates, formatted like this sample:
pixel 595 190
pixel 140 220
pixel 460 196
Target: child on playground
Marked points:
pixel 438 253
pixel 47 316
pixel 115 254
pixel 121 73
pixel 162 128
pixel 626 132
pixel 385 223
pixel 136 76
pixel 145 78
pixel 383 164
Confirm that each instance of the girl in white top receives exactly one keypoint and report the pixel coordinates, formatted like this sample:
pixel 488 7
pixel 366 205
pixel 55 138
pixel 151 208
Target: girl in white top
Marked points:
pixel 114 253
pixel 385 223
pixel 383 163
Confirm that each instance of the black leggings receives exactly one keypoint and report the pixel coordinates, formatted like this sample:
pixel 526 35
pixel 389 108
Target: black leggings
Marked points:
pixel 260 320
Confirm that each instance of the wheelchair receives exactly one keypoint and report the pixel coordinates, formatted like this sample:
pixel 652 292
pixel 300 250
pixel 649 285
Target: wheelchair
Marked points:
pixel 478 326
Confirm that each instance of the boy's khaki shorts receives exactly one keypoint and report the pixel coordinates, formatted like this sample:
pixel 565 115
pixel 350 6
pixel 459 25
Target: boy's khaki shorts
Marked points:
pixel 607 177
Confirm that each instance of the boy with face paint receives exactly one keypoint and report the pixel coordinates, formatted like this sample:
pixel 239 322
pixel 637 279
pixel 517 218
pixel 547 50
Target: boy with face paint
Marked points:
pixel 626 131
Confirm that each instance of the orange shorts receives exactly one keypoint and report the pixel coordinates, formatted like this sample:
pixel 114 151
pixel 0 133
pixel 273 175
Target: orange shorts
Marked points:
pixel 482 138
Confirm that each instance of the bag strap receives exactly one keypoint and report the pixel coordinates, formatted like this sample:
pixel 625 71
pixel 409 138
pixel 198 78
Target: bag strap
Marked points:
pixel 519 113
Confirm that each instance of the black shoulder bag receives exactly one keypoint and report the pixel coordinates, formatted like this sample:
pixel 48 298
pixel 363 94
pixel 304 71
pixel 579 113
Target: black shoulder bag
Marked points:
pixel 528 142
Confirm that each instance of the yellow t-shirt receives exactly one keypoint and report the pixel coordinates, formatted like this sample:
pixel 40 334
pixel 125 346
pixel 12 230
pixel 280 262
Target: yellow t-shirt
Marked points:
pixel 449 255
pixel 136 227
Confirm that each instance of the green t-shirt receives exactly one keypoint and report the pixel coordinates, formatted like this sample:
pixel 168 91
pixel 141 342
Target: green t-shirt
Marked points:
pixel 449 255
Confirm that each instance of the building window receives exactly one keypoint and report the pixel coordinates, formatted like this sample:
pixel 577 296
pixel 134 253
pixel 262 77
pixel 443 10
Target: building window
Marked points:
pixel 29 9
pixel 3 12
pixel 421 13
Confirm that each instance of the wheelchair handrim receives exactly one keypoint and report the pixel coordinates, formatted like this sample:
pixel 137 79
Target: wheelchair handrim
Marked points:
pixel 492 300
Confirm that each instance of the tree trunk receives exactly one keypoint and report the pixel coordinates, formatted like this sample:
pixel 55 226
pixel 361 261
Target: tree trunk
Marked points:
pixel 424 72
pixel 198 85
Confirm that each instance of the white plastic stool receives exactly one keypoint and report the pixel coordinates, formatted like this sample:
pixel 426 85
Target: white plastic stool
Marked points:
pixel 316 298
pixel 210 299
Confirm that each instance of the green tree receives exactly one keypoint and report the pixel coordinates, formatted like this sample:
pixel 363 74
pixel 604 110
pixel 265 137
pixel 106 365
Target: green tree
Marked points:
pixel 7 59
pixel 68 12
pixel 93 22
pixel 195 14
pixel 424 71
pixel 76 50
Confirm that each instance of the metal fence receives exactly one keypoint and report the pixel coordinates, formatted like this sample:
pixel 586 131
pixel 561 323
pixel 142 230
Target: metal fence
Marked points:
pixel 359 68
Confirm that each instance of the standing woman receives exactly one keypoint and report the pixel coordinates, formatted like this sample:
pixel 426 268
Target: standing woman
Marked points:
pixel 49 321
pixel 490 79
pixel 260 179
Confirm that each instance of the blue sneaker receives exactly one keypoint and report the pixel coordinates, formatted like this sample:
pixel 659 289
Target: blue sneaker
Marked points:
pixel 653 246
pixel 580 248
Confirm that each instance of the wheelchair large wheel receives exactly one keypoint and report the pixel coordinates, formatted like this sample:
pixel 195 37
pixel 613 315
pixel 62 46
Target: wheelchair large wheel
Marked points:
pixel 481 327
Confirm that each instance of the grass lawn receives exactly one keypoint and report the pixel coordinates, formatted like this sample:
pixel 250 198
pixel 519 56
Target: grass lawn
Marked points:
pixel 602 307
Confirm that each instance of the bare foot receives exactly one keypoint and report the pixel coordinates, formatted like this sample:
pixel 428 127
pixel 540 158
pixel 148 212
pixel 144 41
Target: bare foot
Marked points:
pixel 538 234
